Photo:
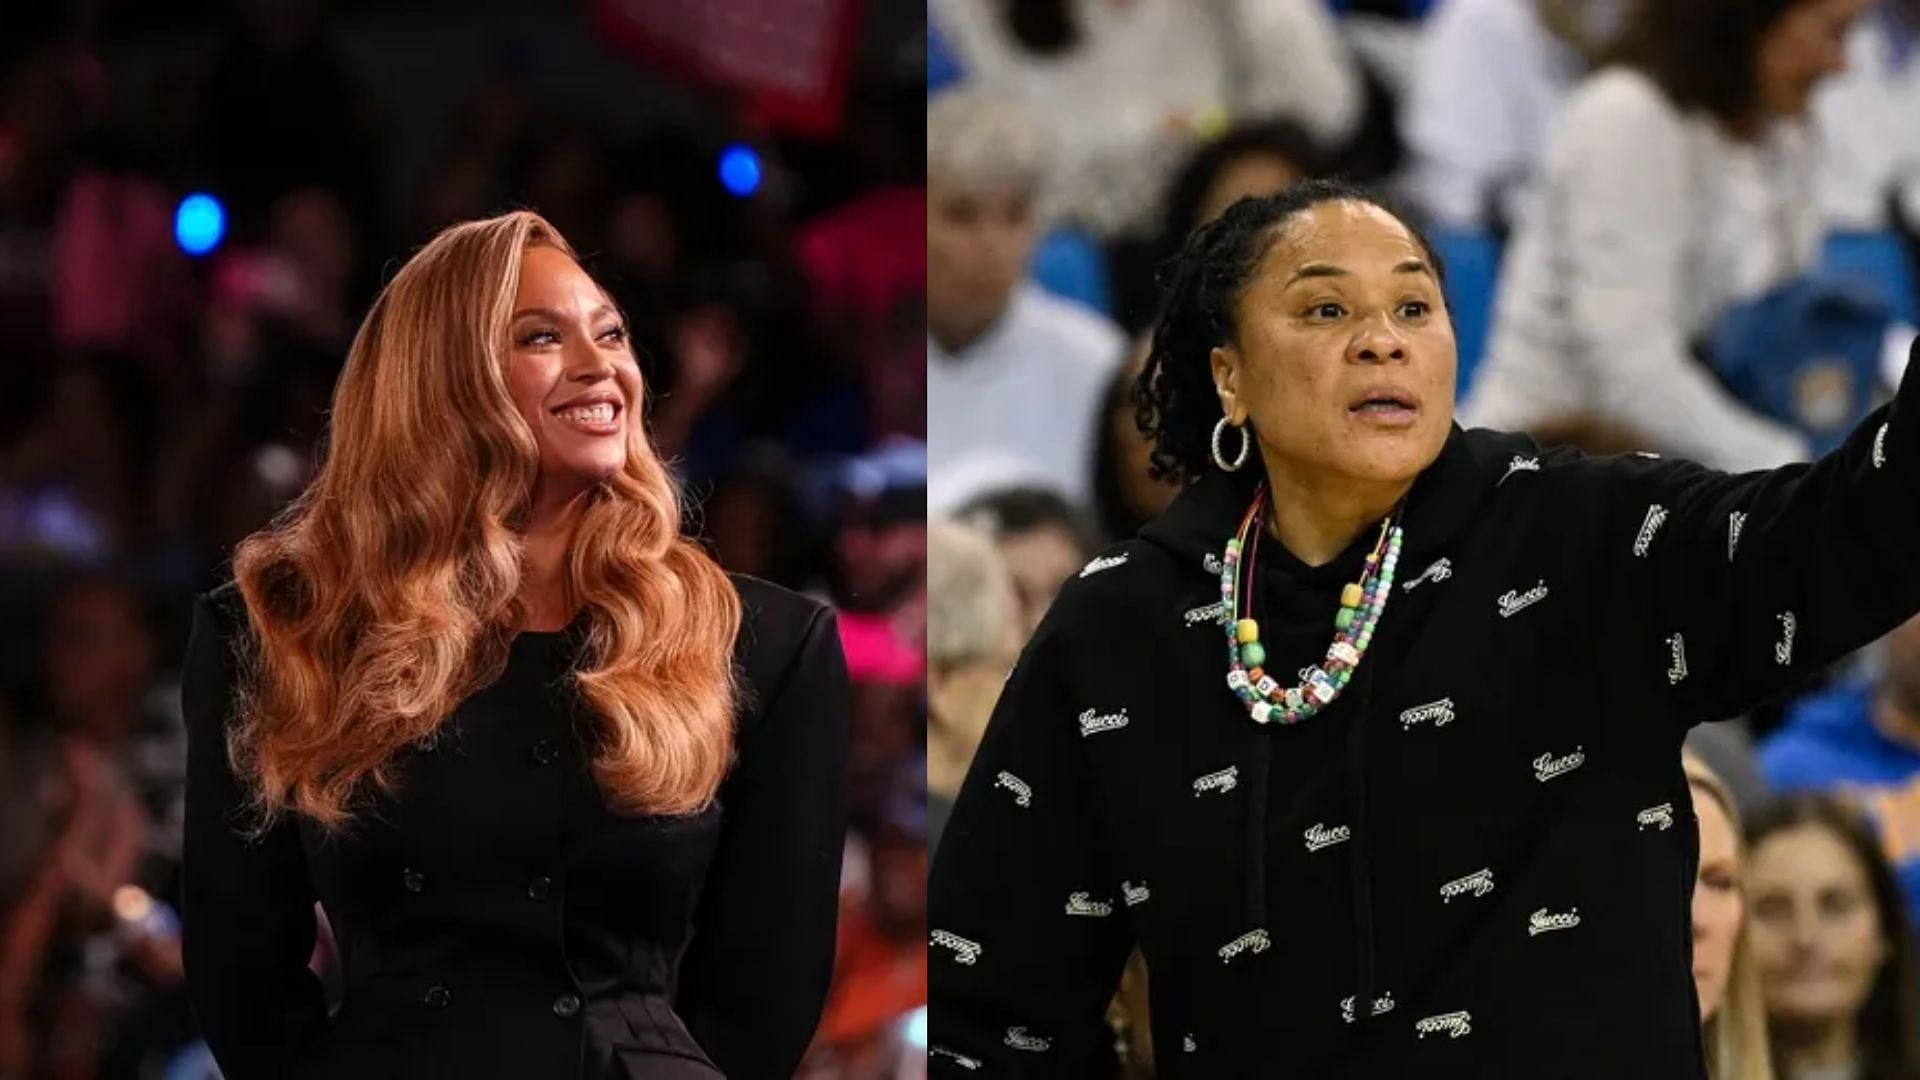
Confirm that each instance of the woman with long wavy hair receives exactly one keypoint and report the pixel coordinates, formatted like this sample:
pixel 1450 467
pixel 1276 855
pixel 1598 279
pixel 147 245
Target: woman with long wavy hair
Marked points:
pixel 568 795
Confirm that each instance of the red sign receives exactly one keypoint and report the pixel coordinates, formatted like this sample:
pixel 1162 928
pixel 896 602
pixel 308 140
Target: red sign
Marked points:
pixel 788 59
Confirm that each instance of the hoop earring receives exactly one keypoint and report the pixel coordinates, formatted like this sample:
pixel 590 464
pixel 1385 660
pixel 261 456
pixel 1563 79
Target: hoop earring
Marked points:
pixel 1246 444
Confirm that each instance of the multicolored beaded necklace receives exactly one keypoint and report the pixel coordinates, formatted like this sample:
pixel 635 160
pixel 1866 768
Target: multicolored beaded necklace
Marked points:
pixel 1361 604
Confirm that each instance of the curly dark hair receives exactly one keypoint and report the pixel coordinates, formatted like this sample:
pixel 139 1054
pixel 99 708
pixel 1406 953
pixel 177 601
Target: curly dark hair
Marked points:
pixel 1174 397
pixel 1703 53
pixel 1889 1021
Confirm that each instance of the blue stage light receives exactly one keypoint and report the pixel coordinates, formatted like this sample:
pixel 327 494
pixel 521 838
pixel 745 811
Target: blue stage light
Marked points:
pixel 199 224
pixel 740 170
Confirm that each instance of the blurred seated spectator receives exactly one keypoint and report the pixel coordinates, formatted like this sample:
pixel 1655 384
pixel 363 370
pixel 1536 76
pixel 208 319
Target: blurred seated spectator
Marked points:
pixel 1125 493
pixel 1733 1018
pixel 1126 90
pixel 1253 159
pixel 880 961
pixel 1832 944
pixel 1860 740
pixel 1043 539
pixel 1678 185
pixel 67 496
pixel 89 956
pixel 1011 370
pixel 974 634
pixel 1489 78
pixel 1870 147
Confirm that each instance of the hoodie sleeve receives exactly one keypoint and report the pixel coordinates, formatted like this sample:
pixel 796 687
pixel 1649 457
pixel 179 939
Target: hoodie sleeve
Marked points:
pixel 1018 986
pixel 1751 582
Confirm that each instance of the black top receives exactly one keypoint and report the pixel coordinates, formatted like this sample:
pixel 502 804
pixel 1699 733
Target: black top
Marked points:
pixel 1479 861
pixel 496 920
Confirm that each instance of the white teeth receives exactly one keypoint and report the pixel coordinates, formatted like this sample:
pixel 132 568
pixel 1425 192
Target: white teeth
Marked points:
pixel 589 414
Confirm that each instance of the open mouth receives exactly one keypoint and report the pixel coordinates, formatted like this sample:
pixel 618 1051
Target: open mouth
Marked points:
pixel 1390 406
pixel 597 418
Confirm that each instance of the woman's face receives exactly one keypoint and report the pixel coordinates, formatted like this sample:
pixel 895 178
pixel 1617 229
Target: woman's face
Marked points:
pixel 1041 561
pixel 1817 938
pixel 1343 356
pixel 1807 43
pixel 1716 904
pixel 571 372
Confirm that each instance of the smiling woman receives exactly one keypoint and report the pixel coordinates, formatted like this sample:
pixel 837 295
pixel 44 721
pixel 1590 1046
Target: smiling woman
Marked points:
pixel 538 758
pixel 1445 836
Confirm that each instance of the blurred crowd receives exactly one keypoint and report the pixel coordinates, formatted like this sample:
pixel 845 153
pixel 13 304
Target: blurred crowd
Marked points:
pixel 157 406
pixel 1684 226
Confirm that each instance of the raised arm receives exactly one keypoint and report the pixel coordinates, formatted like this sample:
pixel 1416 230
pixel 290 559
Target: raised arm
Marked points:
pixel 756 976
pixel 247 906
pixel 1753 581
pixel 1028 930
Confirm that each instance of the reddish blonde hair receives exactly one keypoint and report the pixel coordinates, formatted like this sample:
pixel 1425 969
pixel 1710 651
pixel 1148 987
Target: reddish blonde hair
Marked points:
pixel 386 593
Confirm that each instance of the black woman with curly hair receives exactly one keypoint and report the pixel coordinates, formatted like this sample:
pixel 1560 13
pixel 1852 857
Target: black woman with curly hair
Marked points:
pixel 1370 742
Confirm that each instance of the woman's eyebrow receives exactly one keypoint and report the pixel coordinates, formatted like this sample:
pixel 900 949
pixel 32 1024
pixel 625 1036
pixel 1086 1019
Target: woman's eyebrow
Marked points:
pixel 596 313
pixel 1320 269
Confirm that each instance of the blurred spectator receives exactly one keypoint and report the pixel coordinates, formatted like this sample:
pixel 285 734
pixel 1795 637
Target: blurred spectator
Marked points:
pixel 1677 186
pixel 1126 90
pixel 880 965
pixel 1012 373
pixel 1835 951
pixel 1125 493
pixel 1043 539
pixel 1731 1010
pixel 1870 163
pixel 1860 740
pixel 88 958
pixel 1490 77
pixel 1249 160
pixel 974 633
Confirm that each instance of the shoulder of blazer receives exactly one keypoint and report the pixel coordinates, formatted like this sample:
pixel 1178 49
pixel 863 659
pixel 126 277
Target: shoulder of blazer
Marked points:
pixel 775 624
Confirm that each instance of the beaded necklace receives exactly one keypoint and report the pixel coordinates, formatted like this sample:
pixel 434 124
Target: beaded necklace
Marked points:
pixel 1361 604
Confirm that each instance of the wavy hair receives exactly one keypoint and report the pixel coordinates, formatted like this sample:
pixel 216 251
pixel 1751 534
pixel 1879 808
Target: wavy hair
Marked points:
pixel 387 592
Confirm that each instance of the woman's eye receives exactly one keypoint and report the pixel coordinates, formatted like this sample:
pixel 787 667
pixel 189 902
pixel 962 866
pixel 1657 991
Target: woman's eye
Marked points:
pixel 539 337
pixel 1415 309
pixel 614 333
pixel 1326 311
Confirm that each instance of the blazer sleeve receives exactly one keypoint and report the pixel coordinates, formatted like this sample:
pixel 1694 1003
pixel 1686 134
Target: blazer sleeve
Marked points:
pixel 1755 581
pixel 247 905
pixel 1018 987
pixel 755 977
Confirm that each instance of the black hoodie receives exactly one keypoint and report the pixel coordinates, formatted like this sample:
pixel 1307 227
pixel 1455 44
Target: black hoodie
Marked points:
pixel 1479 861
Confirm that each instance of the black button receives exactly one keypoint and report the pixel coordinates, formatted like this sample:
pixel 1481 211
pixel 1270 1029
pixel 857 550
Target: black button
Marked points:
pixel 413 879
pixel 545 752
pixel 566 1005
pixel 431 743
pixel 438 997
pixel 539 887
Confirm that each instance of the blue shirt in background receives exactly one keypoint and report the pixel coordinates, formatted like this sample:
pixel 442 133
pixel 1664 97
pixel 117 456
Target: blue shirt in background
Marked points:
pixel 1829 743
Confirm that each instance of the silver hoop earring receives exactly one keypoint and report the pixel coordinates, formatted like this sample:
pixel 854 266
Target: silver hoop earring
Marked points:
pixel 1246 444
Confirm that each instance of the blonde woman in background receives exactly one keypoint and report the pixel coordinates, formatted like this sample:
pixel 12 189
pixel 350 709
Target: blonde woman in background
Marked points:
pixel 973 637
pixel 1731 1008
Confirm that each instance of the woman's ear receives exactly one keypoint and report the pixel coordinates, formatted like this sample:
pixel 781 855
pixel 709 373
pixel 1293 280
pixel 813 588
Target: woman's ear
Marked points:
pixel 1225 362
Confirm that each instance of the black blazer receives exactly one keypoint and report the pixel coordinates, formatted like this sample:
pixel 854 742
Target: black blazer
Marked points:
pixel 493 919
